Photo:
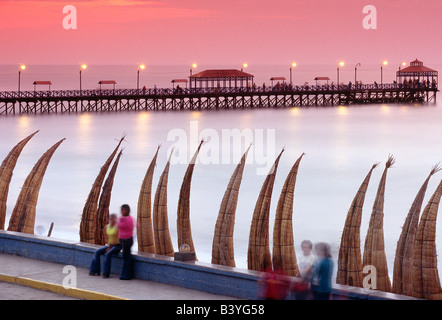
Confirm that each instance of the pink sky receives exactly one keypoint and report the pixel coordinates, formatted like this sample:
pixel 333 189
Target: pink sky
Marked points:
pixel 219 32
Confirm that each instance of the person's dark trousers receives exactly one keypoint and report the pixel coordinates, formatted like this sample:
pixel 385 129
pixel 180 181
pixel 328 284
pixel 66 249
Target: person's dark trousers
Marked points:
pixel 107 265
pixel 95 264
pixel 127 271
pixel 321 295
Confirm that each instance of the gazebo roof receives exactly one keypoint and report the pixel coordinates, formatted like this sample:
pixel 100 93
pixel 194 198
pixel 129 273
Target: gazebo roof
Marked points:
pixel 322 78
pixel 107 82
pixel 42 83
pixel 222 73
pixel 416 67
pixel 277 78
pixel 180 80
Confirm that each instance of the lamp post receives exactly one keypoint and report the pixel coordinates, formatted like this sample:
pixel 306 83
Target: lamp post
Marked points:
pixel 292 66
pixel 244 65
pixel 20 69
pixel 194 66
pixel 403 64
pixel 340 65
pixel 83 67
pixel 140 67
pixel 385 63
pixel 356 72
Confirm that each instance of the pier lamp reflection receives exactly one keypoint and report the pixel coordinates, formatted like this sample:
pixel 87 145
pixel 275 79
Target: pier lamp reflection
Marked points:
pixel 195 115
pixel 385 109
pixel 295 111
pixel 24 123
pixel 142 117
pixel 85 120
pixel 142 131
pixel 84 132
pixel 342 110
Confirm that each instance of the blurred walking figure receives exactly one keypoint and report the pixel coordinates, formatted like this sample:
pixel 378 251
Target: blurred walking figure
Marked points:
pixel 273 285
pixel 306 259
pixel 300 286
pixel 112 248
pixel 322 272
pixel 126 229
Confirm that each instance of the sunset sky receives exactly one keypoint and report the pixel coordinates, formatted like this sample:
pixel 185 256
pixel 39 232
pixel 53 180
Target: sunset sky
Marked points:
pixel 219 32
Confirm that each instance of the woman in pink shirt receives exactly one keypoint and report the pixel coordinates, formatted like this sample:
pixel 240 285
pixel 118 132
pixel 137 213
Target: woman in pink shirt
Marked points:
pixel 125 231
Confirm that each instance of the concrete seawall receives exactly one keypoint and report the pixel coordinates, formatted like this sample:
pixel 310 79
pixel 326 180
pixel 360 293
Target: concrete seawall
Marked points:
pixel 200 276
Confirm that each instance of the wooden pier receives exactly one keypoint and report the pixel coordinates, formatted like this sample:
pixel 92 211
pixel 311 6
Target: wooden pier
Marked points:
pixel 76 101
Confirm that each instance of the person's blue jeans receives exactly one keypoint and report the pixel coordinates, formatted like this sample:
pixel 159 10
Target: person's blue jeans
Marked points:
pixel 95 264
pixel 127 271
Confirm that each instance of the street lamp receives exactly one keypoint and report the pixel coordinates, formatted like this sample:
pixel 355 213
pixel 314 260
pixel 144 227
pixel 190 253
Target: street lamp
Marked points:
pixel 194 66
pixel 403 64
pixel 82 67
pixel 20 69
pixel 140 67
pixel 356 72
pixel 292 66
pixel 244 65
pixel 340 65
pixel 385 63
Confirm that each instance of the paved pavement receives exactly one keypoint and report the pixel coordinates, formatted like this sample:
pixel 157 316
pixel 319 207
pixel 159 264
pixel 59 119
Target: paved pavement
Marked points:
pixel 12 291
pixel 16 266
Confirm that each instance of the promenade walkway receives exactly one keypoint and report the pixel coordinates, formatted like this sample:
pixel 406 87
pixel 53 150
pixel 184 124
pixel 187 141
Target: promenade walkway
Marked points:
pixel 12 291
pixel 49 276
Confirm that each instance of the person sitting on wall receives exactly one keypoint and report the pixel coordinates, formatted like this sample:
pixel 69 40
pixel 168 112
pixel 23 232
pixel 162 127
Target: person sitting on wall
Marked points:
pixel 112 247
pixel 126 227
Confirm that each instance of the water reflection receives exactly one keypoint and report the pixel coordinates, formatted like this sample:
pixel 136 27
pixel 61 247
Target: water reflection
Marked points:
pixel 84 132
pixel 385 109
pixel 24 125
pixel 142 129
pixel 342 110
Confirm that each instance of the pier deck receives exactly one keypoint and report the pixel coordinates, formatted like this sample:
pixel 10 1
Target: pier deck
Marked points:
pixel 76 101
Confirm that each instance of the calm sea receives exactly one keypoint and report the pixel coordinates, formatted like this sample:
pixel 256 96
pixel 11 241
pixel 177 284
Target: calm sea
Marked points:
pixel 340 143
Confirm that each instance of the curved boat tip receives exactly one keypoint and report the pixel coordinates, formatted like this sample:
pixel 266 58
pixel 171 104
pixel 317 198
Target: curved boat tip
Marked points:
pixel 222 245
pixel 6 171
pixel 184 229
pixel 284 254
pixel 258 253
pixel 350 258
pixel 146 242
pixel 23 215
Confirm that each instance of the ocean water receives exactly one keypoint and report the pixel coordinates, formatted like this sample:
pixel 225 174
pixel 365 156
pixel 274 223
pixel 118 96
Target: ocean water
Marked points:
pixel 341 144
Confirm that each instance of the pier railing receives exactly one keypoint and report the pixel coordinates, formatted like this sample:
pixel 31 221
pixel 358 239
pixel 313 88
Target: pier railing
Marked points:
pixel 195 91
pixel 155 99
